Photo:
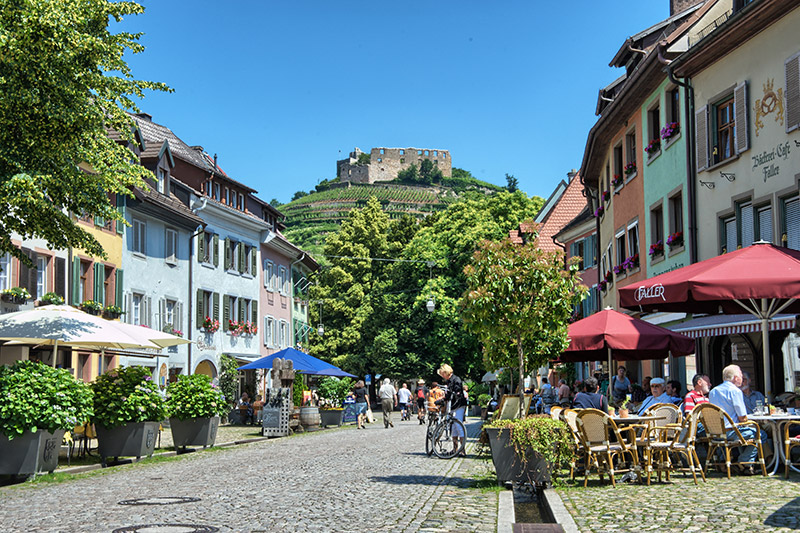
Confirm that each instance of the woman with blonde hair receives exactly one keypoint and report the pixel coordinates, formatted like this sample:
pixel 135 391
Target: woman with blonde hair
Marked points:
pixel 454 394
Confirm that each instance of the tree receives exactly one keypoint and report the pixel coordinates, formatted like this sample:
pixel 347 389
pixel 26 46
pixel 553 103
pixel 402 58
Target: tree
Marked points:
pixel 275 203
pixel 518 301
pixel 409 175
pixel 298 195
pixel 512 183
pixel 64 84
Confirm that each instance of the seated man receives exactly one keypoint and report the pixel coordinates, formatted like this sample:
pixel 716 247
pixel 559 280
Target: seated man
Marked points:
pixel 730 399
pixel 674 391
pixel 698 394
pixel 751 397
pixel 589 398
pixel 658 395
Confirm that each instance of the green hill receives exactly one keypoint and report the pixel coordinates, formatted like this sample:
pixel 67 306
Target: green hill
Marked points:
pixel 311 217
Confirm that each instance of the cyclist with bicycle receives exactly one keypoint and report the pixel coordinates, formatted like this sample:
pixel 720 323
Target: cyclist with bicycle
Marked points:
pixel 454 393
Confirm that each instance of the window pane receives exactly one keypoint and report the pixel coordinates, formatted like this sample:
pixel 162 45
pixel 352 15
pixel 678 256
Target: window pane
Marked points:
pixel 748 232
pixel 730 234
pixel 765 224
pixel 792 223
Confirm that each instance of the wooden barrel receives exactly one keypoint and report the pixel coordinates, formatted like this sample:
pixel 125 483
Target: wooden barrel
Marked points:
pixel 309 417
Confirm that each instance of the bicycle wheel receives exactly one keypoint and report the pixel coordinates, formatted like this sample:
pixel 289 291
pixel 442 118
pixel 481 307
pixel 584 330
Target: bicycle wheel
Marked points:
pixel 429 438
pixel 444 445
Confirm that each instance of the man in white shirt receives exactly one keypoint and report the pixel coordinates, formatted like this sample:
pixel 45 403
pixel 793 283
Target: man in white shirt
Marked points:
pixel 403 398
pixel 658 395
pixel 388 397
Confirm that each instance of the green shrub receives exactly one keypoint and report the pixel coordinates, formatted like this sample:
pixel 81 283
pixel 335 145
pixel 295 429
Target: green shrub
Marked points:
pixel 35 396
pixel 124 395
pixel 194 396
pixel 549 438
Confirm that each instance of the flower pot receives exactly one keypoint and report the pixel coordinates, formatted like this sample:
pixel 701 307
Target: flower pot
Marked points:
pixel 91 311
pixel 530 468
pixel 194 431
pixel 133 439
pixel 30 453
pixel 10 298
pixel 623 413
pixel 331 417
pixel 484 413
pixel 111 314
pixel 309 417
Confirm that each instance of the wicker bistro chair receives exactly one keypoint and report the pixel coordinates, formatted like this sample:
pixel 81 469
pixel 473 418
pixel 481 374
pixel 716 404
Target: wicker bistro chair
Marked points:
pixel 555 412
pixel 713 419
pixel 661 450
pixel 662 429
pixel 789 443
pixel 595 429
pixel 570 416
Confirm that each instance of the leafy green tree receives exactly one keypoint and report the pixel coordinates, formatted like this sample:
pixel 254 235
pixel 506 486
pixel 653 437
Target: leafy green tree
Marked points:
pixel 299 194
pixel 518 301
pixel 275 203
pixel 512 183
pixel 64 84
pixel 429 173
pixel 409 175
pixel 228 378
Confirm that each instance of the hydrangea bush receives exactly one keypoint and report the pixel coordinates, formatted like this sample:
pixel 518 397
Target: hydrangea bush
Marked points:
pixel 124 395
pixel 35 396
pixel 194 396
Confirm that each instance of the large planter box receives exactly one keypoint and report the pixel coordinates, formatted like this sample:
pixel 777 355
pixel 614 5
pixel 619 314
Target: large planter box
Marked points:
pixel 509 467
pixel 132 439
pixel 194 431
pixel 331 417
pixel 30 453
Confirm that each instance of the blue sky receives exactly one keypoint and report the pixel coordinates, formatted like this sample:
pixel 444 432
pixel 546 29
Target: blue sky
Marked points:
pixel 281 90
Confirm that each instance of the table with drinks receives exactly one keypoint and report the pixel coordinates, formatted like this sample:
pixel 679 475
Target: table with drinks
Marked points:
pixel 775 418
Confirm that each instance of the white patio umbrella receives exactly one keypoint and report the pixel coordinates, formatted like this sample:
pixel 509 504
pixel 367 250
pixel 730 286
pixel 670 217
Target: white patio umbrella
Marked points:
pixel 54 325
pixel 159 338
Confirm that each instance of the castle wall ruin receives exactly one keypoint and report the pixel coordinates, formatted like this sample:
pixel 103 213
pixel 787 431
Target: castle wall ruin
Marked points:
pixel 386 163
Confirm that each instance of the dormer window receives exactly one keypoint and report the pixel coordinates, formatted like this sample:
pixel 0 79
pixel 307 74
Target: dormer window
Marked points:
pixel 241 201
pixel 161 179
pixel 217 195
pixel 233 199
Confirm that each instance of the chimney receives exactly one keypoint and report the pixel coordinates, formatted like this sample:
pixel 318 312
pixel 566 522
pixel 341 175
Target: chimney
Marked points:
pixel 571 174
pixel 145 116
pixel 197 148
pixel 676 6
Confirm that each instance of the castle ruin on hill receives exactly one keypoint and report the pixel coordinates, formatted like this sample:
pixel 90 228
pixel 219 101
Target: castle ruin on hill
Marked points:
pixel 385 163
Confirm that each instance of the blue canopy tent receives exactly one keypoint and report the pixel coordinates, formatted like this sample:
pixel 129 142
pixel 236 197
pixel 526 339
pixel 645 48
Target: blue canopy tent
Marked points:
pixel 303 363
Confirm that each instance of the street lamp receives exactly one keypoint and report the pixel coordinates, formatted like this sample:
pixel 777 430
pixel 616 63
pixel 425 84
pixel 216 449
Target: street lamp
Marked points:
pixel 431 305
pixel 321 328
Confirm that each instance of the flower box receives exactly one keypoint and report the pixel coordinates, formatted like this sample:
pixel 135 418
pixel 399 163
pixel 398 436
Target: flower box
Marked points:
pixel 670 130
pixel 112 312
pixel 606 196
pixel 16 295
pixel 599 211
pixel 331 417
pixel 210 325
pixel 656 249
pixel 675 240
pixel 91 307
pixel 30 453
pixel 617 180
pixel 201 431
pixel 630 168
pixel 653 147
pixel 134 439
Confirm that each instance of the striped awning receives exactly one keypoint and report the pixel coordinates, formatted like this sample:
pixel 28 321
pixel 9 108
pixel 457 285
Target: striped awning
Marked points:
pixel 717 325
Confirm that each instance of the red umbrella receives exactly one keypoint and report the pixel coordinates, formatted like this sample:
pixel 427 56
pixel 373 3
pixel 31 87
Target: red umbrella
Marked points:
pixel 616 335
pixel 762 279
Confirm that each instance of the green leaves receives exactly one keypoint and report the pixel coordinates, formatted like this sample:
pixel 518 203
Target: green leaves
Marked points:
pixel 36 396
pixel 194 396
pixel 125 395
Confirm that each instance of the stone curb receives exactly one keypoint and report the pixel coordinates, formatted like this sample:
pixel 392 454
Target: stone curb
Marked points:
pixel 559 511
pixel 505 511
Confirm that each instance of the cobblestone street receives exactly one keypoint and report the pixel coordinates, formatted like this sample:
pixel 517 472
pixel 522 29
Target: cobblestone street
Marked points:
pixel 335 480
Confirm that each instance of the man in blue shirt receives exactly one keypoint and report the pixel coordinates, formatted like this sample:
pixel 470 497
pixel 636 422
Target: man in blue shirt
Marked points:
pixel 730 399
pixel 658 395
pixel 589 398
pixel 751 397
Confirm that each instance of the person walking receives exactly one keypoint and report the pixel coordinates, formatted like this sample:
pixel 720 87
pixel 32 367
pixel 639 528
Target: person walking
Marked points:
pixel 388 396
pixel 361 395
pixel 421 395
pixel 403 398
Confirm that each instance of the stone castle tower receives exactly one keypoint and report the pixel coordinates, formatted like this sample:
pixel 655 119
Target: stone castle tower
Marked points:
pixel 385 163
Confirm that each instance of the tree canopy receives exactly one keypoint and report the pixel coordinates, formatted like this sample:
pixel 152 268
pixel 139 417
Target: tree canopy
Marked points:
pixel 64 85
pixel 518 302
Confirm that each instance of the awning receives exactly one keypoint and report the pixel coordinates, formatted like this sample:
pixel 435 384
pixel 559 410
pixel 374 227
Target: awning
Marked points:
pixel 716 325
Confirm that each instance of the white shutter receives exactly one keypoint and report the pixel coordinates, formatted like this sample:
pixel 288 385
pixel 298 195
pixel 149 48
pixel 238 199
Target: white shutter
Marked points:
pixel 701 137
pixel 162 314
pixel 742 127
pixel 147 318
pixel 792 223
pixel 746 224
pixel 128 303
pixel 765 224
pixel 792 93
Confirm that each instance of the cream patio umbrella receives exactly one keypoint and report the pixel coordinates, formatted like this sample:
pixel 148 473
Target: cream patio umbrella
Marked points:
pixel 54 325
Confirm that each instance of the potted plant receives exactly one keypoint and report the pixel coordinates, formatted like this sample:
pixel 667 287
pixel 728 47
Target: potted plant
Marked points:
pixel 670 130
pixel 530 449
pixel 210 325
pixel 653 147
pixel 127 411
pixel 91 307
pixel 112 311
pixel 657 249
pixel 169 328
pixel 630 168
pixel 675 240
pixel 483 401
pixel 51 298
pixel 37 403
pixel 16 295
pixel 616 181
pixel 599 211
pixel 332 392
pixel 194 405
pixel 623 408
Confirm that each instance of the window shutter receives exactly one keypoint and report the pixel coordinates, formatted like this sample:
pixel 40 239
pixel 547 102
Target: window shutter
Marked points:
pixel 201 247
pixel 240 314
pixel 226 311
pixel 162 314
pixel 242 258
pixel 253 261
pixel 742 125
pixel 228 256
pixel 215 250
pixel 765 225
pixel 96 293
pixel 118 288
pixel 121 208
pixel 200 312
pixel 266 282
pixel 792 223
pixel 792 93
pixel 76 280
pixel 265 331
pixel 61 277
pixel 179 315
pixel 31 281
pixel 701 137
pixel 216 306
pixel 254 312
pixel 147 302
pixel 127 306
pixel 748 230
pixel 730 235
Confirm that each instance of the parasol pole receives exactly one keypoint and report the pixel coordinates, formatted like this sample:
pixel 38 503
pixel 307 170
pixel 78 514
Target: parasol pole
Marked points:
pixel 55 353
pixel 765 348
pixel 609 373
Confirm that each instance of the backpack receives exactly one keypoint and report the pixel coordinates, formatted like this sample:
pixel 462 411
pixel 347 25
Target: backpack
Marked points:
pixel 420 393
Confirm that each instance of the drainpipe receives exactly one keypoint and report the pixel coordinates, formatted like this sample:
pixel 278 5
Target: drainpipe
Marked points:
pixel 691 163
pixel 197 232
pixel 563 247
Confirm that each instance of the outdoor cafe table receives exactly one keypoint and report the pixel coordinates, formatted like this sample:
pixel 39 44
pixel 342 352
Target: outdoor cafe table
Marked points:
pixel 635 419
pixel 776 423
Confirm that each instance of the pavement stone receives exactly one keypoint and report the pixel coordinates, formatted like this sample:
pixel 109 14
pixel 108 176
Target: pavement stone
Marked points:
pixel 328 481
pixel 742 503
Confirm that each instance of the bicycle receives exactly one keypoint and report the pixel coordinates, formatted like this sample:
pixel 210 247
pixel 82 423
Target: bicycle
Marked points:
pixel 439 439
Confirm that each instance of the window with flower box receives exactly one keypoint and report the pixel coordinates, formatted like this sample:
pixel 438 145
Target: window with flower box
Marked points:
pixel 5 271
pixel 722 130
pixel 653 140
pixel 621 252
pixel 207 307
pixel 657 232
